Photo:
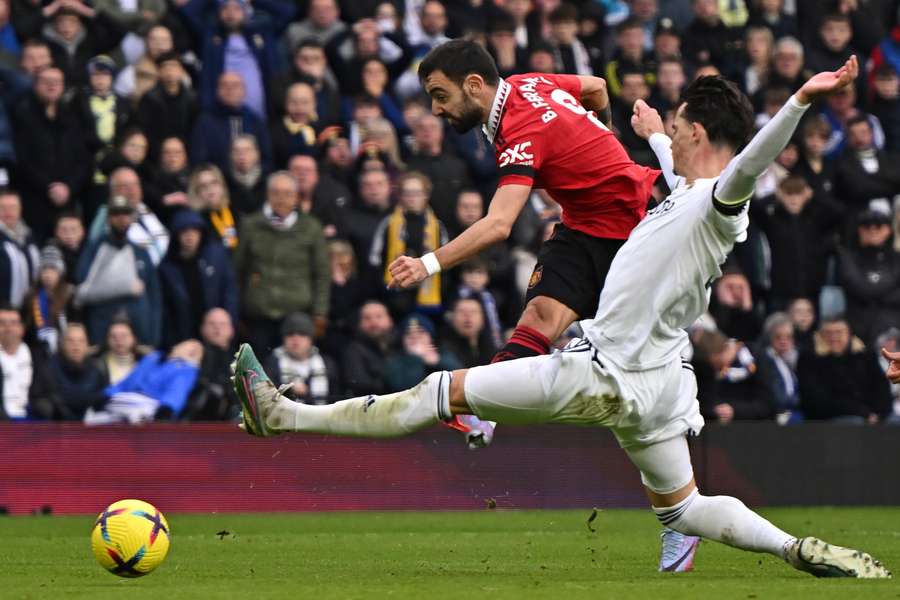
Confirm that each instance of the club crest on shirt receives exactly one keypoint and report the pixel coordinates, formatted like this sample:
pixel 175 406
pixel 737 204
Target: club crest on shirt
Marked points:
pixel 536 276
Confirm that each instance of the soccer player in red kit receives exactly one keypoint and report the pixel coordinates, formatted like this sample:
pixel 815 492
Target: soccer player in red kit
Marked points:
pixel 547 135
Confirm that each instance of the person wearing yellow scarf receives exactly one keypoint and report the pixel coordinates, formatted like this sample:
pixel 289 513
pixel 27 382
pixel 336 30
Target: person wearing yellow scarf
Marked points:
pixel 412 229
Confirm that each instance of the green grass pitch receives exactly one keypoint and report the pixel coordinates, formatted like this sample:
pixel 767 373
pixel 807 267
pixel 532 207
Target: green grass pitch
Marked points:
pixel 494 554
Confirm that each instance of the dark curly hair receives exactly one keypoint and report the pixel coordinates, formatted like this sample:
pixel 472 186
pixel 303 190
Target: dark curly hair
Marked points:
pixel 457 59
pixel 722 109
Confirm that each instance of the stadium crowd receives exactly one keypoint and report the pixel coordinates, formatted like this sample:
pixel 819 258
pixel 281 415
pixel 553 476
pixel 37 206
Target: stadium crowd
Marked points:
pixel 182 175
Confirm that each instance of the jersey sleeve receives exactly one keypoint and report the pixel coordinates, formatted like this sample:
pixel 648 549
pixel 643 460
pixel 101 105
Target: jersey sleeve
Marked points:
pixel 732 223
pixel 520 156
pixel 569 83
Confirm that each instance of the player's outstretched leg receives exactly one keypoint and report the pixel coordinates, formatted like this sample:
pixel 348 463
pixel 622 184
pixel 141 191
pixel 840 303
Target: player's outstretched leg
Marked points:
pixel 266 412
pixel 668 477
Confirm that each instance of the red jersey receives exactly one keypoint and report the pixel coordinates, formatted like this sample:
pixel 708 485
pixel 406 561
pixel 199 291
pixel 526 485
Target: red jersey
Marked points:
pixel 545 138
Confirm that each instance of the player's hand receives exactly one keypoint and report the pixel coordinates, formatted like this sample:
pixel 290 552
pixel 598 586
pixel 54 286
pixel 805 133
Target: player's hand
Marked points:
pixel 406 272
pixel 829 82
pixel 893 372
pixel 646 120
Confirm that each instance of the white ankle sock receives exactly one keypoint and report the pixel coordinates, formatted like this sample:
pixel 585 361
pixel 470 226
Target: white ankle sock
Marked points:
pixel 727 520
pixel 390 415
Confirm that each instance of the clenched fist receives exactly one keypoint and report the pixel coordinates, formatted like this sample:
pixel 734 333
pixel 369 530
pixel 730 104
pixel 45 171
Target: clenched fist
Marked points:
pixel 893 372
pixel 406 272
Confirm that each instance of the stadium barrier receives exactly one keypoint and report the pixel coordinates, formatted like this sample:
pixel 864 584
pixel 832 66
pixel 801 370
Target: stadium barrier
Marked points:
pixel 203 467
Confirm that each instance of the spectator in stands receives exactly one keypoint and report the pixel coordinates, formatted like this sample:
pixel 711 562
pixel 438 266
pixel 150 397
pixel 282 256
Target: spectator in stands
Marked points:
pixel 171 177
pixel 467 337
pixel 105 112
pixel 213 397
pixel 170 108
pixel 812 166
pixel 839 110
pixel 841 380
pixel 132 81
pixel 18 253
pixel 446 172
pixel 195 276
pixel 760 48
pixel 417 356
pixel 347 295
pixel 433 33
pixel 25 382
pixel 236 43
pixel 541 58
pixel 326 200
pixel 158 387
pixel 708 39
pixel 802 231
pixel 865 173
pixel 787 68
pixel 670 80
pixel 729 386
pixel 630 56
pixel 374 83
pixel 770 14
pixel 75 34
pixel 131 151
pixel 869 271
pixel 68 236
pixel 246 175
pixel 412 229
pixel 77 379
pixel 803 316
pixel 297 363
pixel 733 307
pixel 321 25
pixel 364 358
pixel 348 51
pixel 208 195
pixel 572 56
pixel 475 282
pixel 296 132
pixel 510 57
pixel 228 117
pixel 520 10
pixel 634 88
pixel 47 307
pixel 362 221
pixel 52 152
pixel 309 66
pixel 833 47
pixel 146 230
pixel 282 265
pixel 120 351
pixel 885 105
pixel 116 275
pixel 138 18
pixel 778 367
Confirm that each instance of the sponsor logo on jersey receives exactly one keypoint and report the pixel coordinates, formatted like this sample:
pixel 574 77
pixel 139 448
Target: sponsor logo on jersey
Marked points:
pixel 517 155
pixel 536 276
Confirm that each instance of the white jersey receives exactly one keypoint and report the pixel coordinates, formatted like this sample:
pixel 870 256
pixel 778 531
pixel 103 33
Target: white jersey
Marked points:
pixel 658 283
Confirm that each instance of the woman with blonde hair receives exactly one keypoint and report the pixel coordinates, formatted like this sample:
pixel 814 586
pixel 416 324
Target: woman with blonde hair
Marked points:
pixel 208 195
pixel 382 134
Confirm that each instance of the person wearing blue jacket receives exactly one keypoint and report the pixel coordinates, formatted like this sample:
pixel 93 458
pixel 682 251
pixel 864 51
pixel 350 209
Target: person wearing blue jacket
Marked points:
pixel 241 41
pixel 166 379
pixel 196 275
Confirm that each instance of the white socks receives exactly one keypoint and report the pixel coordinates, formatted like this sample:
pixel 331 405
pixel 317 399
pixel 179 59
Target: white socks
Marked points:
pixel 391 415
pixel 727 520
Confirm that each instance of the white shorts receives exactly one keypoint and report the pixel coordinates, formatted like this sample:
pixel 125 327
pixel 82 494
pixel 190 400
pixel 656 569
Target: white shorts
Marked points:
pixel 577 385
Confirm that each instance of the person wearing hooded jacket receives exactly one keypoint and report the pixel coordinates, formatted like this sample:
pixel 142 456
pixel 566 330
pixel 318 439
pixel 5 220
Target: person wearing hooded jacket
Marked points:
pixel 196 275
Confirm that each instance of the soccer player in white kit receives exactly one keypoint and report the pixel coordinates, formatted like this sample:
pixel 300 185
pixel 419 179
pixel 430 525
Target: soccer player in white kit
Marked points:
pixel 627 373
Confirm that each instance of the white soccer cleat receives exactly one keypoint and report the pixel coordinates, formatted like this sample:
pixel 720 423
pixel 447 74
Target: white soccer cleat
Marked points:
pixel 827 560
pixel 678 551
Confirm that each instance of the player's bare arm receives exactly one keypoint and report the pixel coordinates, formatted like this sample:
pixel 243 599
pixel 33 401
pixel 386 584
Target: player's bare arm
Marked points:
pixel 595 97
pixel 490 229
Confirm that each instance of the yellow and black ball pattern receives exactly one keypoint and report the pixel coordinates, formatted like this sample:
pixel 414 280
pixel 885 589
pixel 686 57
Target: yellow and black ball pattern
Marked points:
pixel 130 538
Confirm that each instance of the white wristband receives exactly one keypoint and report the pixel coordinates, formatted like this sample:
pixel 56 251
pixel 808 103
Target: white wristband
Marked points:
pixel 431 263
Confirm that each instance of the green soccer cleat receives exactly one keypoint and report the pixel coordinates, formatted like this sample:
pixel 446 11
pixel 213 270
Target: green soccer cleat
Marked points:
pixel 255 391
pixel 826 560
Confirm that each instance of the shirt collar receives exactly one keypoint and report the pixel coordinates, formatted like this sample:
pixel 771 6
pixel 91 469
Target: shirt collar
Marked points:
pixel 490 128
